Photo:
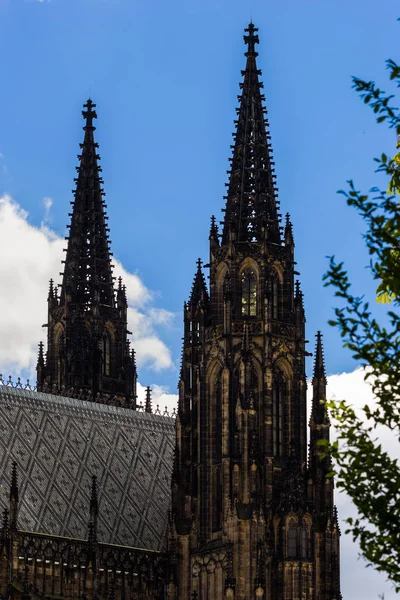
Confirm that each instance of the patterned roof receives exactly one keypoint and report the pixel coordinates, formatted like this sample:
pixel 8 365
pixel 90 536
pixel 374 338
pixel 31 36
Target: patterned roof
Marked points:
pixel 58 443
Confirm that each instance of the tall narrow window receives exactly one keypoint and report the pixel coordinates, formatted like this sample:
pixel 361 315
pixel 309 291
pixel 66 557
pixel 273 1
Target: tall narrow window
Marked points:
pixel 292 539
pixel 305 541
pixel 278 395
pixel 217 453
pixel 249 293
pixel 59 349
pixel 194 332
pixel 106 355
pixel 275 298
pixel 218 419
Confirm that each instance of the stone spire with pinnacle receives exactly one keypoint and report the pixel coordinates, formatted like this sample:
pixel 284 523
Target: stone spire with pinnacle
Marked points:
pixel 88 279
pixel 319 383
pixel 87 336
pixel 251 212
pixel 241 479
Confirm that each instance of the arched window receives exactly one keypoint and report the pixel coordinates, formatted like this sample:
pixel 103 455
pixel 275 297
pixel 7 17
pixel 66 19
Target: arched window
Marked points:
pixel 292 539
pixel 249 293
pixel 106 367
pixel 278 396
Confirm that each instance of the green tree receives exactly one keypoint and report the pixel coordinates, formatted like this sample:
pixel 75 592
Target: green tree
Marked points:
pixel 362 467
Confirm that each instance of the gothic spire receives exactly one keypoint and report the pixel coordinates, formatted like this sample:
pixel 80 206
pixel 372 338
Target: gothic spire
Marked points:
pixel 199 291
pixel 251 212
pixel 87 278
pixel 319 363
pixel 319 382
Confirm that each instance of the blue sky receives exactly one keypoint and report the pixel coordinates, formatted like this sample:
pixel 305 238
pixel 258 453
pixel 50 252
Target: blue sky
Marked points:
pixel 165 78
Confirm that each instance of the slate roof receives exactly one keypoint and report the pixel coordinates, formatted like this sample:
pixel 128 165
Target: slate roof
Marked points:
pixel 58 443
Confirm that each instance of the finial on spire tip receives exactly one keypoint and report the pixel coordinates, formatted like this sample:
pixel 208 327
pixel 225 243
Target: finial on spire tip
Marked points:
pixel 251 39
pixel 89 113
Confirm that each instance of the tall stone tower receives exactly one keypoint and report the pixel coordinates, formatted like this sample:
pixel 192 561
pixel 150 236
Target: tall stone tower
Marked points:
pixel 87 343
pixel 253 513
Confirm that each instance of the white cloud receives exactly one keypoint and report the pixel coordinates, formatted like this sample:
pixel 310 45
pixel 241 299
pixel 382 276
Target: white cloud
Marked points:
pixel 30 256
pixel 359 582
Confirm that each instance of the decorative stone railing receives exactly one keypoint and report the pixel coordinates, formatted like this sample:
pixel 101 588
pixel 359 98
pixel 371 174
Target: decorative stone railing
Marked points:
pixel 86 395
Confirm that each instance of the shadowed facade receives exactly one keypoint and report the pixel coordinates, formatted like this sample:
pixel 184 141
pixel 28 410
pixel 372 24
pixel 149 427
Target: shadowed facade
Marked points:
pixel 253 515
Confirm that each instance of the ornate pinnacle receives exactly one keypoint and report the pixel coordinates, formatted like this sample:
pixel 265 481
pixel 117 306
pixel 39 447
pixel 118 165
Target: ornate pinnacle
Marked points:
pixel 94 503
pixel 14 482
pixel 213 230
pixel 94 511
pixel 51 290
pixel 199 289
pixel 121 294
pixel 14 497
pixel 40 361
pixel 92 538
pixel 298 296
pixel 148 407
pixel 319 363
pixel 319 413
pixel 288 231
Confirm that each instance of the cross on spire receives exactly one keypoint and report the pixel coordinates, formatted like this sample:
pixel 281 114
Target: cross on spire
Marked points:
pixel 89 114
pixel 251 40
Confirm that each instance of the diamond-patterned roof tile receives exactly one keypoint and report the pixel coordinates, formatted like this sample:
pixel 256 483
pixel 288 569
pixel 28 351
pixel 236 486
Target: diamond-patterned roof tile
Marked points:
pixel 59 443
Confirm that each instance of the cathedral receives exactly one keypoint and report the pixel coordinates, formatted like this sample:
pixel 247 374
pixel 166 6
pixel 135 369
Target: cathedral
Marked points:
pixel 105 498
